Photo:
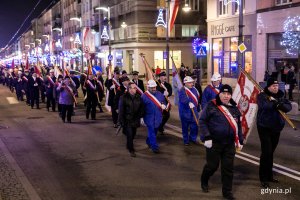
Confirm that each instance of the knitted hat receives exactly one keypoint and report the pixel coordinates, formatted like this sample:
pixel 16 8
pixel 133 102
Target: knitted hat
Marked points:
pixel 271 81
pixel 226 88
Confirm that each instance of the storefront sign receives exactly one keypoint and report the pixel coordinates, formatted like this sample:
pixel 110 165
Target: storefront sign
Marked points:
pixel 217 30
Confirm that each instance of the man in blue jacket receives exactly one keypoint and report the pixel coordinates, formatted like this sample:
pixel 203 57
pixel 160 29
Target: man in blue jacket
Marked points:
pixel 188 101
pixel 269 125
pixel 211 91
pixel 221 128
pixel 154 104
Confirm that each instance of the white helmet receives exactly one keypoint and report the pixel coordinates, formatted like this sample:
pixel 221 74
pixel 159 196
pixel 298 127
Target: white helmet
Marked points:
pixel 85 68
pixel 51 71
pixel 216 77
pixel 151 83
pixel 188 79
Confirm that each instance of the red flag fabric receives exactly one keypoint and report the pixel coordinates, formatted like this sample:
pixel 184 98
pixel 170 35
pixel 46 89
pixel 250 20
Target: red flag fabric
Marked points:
pixel 174 6
pixel 245 95
pixel 90 70
pixel 27 64
pixel 37 70
pixel 12 64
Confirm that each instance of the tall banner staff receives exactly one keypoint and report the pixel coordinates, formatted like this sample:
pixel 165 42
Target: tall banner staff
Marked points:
pixel 194 114
pixel 261 89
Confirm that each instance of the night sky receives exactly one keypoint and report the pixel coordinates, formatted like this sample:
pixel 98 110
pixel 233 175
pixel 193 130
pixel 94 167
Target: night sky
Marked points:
pixel 13 13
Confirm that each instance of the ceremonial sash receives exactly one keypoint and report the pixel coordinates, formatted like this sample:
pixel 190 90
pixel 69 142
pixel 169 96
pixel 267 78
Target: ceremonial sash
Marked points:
pixel 231 121
pixel 153 99
pixel 91 85
pixel 25 79
pixel 191 95
pixel 50 80
pixel 138 89
pixel 115 82
pixel 100 84
pixel 215 90
pixel 70 91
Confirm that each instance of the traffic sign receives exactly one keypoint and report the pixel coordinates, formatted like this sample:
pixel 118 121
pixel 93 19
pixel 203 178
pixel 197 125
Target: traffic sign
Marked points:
pixel 201 51
pixel 110 57
pixel 242 48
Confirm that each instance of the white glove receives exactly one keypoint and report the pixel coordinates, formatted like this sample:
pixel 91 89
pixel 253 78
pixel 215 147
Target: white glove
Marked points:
pixel 208 144
pixel 142 122
pixel 240 148
pixel 35 84
pixel 163 106
pixel 113 86
pixel 272 99
pixel 191 105
pixel 117 111
pixel 166 93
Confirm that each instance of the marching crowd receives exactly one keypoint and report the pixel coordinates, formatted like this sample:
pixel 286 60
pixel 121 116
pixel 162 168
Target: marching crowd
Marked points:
pixel 131 104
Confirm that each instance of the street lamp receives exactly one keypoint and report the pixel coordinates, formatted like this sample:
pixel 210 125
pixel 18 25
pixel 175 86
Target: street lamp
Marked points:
pixel 80 25
pixel 107 9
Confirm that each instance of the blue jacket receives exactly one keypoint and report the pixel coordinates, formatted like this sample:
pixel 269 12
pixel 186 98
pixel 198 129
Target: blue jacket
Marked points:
pixel 268 115
pixel 153 114
pixel 65 97
pixel 214 125
pixel 208 95
pixel 185 112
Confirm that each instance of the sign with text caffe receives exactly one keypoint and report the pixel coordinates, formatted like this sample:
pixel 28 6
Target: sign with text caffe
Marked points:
pixel 223 30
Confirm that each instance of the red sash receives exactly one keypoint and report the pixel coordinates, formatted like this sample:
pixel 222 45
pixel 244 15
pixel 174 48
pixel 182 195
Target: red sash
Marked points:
pixel 191 95
pixel 214 89
pixel 153 99
pixel 50 80
pixel 138 89
pixel 25 79
pixel 91 85
pixel 231 121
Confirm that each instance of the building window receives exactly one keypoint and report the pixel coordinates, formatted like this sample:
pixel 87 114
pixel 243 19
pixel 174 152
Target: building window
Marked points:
pixel 223 9
pixel 236 7
pixel 189 30
pixel 194 4
pixel 282 2
pixel 225 56
pixel 160 62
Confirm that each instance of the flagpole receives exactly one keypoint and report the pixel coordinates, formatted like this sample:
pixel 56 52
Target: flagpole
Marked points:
pixel 167 40
pixel 262 90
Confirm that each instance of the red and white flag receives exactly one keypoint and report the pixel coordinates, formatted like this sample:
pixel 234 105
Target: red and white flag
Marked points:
pixel 174 6
pixel 245 95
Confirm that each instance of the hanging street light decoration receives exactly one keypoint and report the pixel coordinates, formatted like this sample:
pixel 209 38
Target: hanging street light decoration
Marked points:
pixel 160 19
pixel 104 34
pixel 226 2
pixel 58 44
pixel 77 39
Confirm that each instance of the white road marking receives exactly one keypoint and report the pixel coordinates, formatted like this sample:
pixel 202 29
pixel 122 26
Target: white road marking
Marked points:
pixel 176 131
pixel 12 100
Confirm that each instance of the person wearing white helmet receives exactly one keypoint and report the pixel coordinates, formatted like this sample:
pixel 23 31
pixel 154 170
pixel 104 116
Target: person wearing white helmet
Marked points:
pixel 154 104
pixel 211 91
pixel 188 103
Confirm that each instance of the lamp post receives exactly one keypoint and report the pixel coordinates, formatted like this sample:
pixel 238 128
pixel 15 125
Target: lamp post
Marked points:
pixel 107 9
pixel 241 26
pixel 80 25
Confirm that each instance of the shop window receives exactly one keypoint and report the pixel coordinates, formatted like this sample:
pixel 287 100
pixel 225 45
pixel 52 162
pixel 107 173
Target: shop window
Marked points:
pixel 161 62
pixel 217 47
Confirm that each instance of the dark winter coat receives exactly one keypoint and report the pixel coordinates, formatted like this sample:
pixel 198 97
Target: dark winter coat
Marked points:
pixel 268 115
pixel 214 125
pixel 131 109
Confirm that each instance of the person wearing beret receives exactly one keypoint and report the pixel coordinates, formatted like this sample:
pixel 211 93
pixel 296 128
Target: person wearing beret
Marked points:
pixel 269 125
pixel 221 128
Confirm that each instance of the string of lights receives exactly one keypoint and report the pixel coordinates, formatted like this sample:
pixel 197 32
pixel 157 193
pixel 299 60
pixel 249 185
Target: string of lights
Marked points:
pixel 291 35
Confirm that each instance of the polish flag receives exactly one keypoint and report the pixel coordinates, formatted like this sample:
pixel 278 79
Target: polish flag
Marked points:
pixel 174 7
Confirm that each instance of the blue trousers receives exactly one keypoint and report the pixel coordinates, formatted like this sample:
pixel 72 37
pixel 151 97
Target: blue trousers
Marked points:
pixel 151 139
pixel 185 125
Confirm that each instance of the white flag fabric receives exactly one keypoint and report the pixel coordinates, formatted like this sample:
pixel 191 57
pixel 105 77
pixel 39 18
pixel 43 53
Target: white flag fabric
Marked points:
pixel 176 79
pixel 245 95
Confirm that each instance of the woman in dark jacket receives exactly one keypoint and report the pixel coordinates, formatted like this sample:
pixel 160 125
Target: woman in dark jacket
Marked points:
pixel 269 125
pixel 130 112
